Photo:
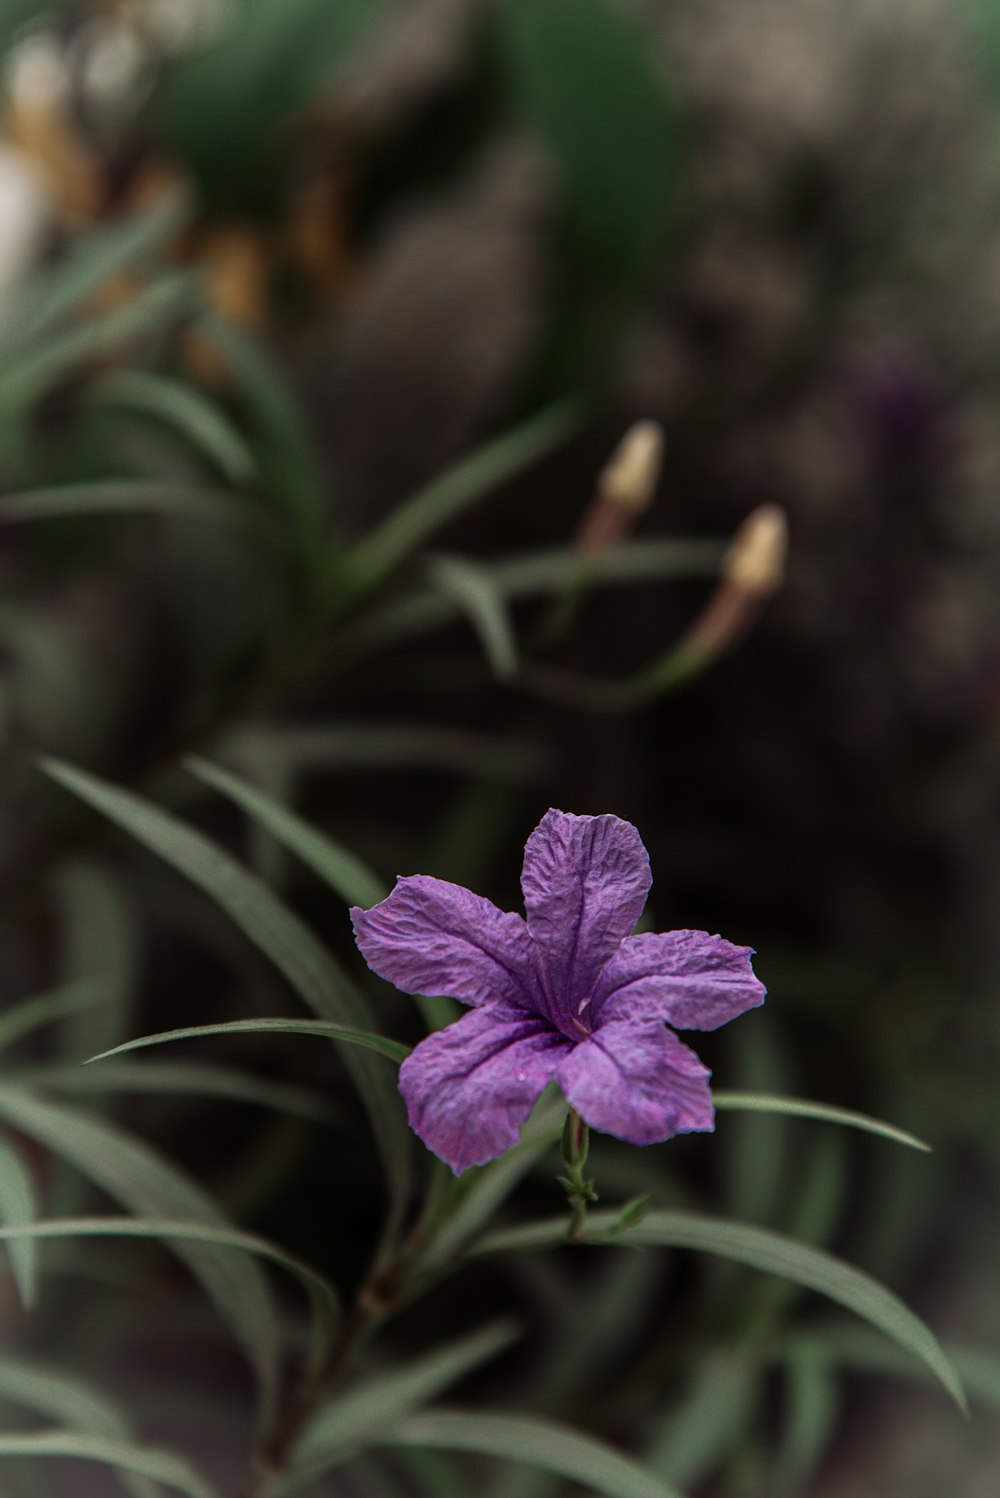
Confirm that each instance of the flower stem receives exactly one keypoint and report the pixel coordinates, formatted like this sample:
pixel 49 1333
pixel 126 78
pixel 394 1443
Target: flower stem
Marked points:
pixel 579 1191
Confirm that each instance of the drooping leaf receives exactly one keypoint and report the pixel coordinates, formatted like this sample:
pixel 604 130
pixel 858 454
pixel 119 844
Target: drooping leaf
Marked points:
pixel 538 1443
pixel 271 926
pixel 46 1009
pixel 337 866
pixel 393 1050
pixel 182 408
pixel 17 1207
pixel 358 1417
pixel 121 497
pixel 759 1102
pixel 240 1247
pixel 773 1253
pixel 475 592
pixel 132 1173
pixel 179 1078
pixel 147 1461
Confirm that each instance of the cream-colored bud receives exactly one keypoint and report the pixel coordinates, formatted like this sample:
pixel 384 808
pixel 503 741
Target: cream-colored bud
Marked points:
pixel 630 476
pixel 755 560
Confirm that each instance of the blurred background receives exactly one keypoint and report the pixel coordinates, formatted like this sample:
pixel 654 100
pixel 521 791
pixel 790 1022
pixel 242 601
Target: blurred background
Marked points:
pixel 268 271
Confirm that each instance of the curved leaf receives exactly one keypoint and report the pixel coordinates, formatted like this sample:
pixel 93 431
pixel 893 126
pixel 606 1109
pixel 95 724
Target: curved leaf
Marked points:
pixel 394 1050
pixel 46 1008
pixel 538 1442
pixel 143 1181
pixel 18 1206
pixel 773 1253
pixel 760 1102
pixel 357 1418
pixel 337 866
pixel 322 1297
pixel 475 591
pixel 279 933
pixel 121 497
pixel 145 1461
pixel 181 407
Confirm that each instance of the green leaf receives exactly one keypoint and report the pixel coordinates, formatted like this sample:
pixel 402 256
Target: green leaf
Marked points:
pixel 147 1461
pixel 46 1009
pixel 360 1416
pixel 760 1102
pixel 568 65
pixel 238 1247
pixel 773 1253
pixel 121 497
pixel 337 866
pixel 180 1078
pixel 475 592
pixel 182 408
pixel 18 1206
pixel 812 1408
pixel 275 930
pixel 538 1443
pixel 393 1050
pixel 709 1421
pixel 447 497
pixel 70 1400
pixel 143 1181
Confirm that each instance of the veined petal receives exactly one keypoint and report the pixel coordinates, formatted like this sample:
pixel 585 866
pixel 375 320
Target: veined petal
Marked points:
pixel 469 1087
pixel 433 937
pixel 638 1082
pixel 690 979
pixel 585 881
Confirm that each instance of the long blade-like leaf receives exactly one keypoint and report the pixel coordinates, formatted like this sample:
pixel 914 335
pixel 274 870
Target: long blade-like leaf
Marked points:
pixel 290 945
pixel 122 497
pixel 541 1443
pixel 351 1421
pixel 771 1252
pixel 337 866
pixel 46 1008
pixel 473 588
pixel 18 1206
pixel 180 407
pixel 322 1296
pixel 133 1173
pixel 394 1050
pixel 760 1102
pixel 146 1461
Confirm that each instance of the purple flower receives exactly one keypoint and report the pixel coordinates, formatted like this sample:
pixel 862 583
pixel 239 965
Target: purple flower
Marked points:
pixel 567 994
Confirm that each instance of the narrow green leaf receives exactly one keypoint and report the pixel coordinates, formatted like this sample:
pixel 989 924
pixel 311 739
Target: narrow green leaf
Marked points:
pixel 17 1207
pixel 133 1173
pixel 759 1102
pixel 237 1245
pixel 390 746
pixel 393 1050
pixel 71 1401
pixel 147 1461
pixel 181 407
pixel 538 1443
pixel 275 930
pixel 854 1347
pixel 358 1418
pixel 179 1078
pixel 46 1009
pixel 812 1407
pixel 773 1253
pixel 337 866
pixel 446 498
pixel 475 592
pixel 709 1422
pixel 121 497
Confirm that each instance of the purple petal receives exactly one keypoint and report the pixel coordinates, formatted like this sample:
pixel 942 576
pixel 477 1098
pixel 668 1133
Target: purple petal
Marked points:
pixel 690 979
pixel 638 1082
pixel 469 1087
pixel 585 881
pixel 432 937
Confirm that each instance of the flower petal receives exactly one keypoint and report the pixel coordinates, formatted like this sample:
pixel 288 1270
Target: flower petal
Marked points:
pixel 432 937
pixel 638 1082
pixel 585 881
pixel 690 979
pixel 469 1087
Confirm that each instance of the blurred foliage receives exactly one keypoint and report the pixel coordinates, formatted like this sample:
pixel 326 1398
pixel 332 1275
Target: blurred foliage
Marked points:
pixel 317 324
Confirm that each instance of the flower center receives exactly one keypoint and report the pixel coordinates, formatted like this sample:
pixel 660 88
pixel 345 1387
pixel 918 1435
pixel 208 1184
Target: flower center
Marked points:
pixel 580 1021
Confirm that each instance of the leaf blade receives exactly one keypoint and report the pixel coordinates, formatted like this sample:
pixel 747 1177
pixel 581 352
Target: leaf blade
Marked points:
pixel 144 1461
pixel 393 1050
pixel 823 1112
pixel 17 1208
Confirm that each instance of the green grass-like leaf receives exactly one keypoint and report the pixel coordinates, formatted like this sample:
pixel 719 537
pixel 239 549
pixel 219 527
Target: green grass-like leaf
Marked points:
pixel 121 497
pixel 337 866
pixel 47 1008
pixel 773 1253
pixel 147 1461
pixel 393 1050
pixel 275 930
pixel 472 588
pixel 182 408
pixel 537 1442
pixel 17 1207
pixel 759 1102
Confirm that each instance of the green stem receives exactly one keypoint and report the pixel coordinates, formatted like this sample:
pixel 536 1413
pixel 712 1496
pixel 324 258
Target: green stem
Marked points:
pixel 579 1191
